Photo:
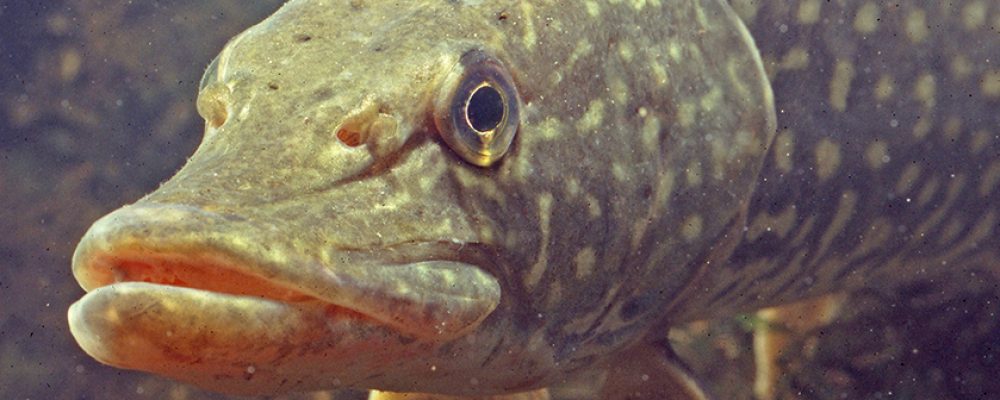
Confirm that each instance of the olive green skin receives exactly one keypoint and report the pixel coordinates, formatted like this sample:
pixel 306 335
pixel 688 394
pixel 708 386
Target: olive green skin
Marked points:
pixel 668 165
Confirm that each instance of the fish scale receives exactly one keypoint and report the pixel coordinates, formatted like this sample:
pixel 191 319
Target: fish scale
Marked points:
pixel 907 166
pixel 354 217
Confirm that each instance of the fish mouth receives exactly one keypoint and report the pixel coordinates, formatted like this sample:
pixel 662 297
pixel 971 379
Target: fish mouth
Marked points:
pixel 168 284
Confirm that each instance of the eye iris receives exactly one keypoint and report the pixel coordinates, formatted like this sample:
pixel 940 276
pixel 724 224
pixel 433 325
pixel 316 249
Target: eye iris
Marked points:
pixel 485 109
pixel 476 111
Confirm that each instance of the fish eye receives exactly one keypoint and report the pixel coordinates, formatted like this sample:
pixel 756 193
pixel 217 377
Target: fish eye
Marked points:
pixel 476 111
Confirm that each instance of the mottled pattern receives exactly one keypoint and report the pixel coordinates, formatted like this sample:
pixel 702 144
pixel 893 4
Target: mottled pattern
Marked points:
pixel 886 162
pixel 321 182
pixel 655 178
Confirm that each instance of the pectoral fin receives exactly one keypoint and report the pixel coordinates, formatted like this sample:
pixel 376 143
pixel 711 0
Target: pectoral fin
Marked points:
pixel 779 328
pixel 541 394
pixel 650 370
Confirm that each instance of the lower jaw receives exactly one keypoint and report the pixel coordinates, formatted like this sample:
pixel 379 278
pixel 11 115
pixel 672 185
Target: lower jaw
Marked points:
pixel 230 343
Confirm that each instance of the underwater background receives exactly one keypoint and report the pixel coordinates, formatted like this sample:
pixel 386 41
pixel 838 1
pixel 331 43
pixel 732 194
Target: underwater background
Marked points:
pixel 97 108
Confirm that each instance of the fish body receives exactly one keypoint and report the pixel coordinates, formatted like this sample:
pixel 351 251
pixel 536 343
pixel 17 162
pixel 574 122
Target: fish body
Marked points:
pixel 487 198
pixel 885 167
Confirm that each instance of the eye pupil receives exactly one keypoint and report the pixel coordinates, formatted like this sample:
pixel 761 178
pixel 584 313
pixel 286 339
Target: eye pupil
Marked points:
pixel 485 109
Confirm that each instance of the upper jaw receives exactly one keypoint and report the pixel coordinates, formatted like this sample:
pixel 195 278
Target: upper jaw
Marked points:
pixel 425 294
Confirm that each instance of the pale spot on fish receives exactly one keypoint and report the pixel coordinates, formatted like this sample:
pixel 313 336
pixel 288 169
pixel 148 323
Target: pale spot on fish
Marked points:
pixel 960 67
pixel 956 182
pixel 827 159
pixel 699 16
pixel 593 9
pixel 111 315
pixel 974 15
pixel 884 87
pixel 244 111
pixel 582 50
pixel 686 112
pixel 427 182
pixel 711 99
pixel 537 341
pixel 691 227
pixel 747 143
pixel 906 180
pixel 619 90
pixel 530 38
pixel 550 129
pixel 928 191
pixel 746 9
pixel 664 188
pixel 593 206
pixel 783 147
pixel 693 173
pixel 651 134
pixel 809 11
pixel 735 69
pixel 952 128
pixel 990 84
pixel 877 154
pixel 804 229
pixel 980 140
pixel 471 180
pixel 626 51
pixel 572 187
pixel 878 233
pixel 840 84
pixel 922 128
pixel 925 89
pixel 620 172
pixel 951 230
pixel 989 179
pixel 553 296
pixel 512 239
pixel 983 229
pixel 722 152
pixel 845 209
pixel 584 262
pixel 795 59
pixel 556 77
pixel 660 76
pixel 675 51
pixel 592 118
pixel 915 27
pixel 780 224
pixel 867 18
pixel 487 234
pixel 544 226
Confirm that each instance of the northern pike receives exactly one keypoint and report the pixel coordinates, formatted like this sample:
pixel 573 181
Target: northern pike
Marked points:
pixel 484 199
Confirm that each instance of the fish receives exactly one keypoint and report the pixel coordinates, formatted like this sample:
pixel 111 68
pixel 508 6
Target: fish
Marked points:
pixel 470 199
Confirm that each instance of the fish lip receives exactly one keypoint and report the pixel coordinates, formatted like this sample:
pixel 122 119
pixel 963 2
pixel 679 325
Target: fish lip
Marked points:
pixel 229 343
pixel 100 269
pixel 119 249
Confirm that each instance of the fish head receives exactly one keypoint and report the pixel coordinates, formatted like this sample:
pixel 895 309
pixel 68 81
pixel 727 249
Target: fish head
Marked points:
pixel 411 197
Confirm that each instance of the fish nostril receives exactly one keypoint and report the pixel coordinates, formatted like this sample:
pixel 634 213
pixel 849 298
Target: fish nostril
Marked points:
pixel 351 137
pixel 213 104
